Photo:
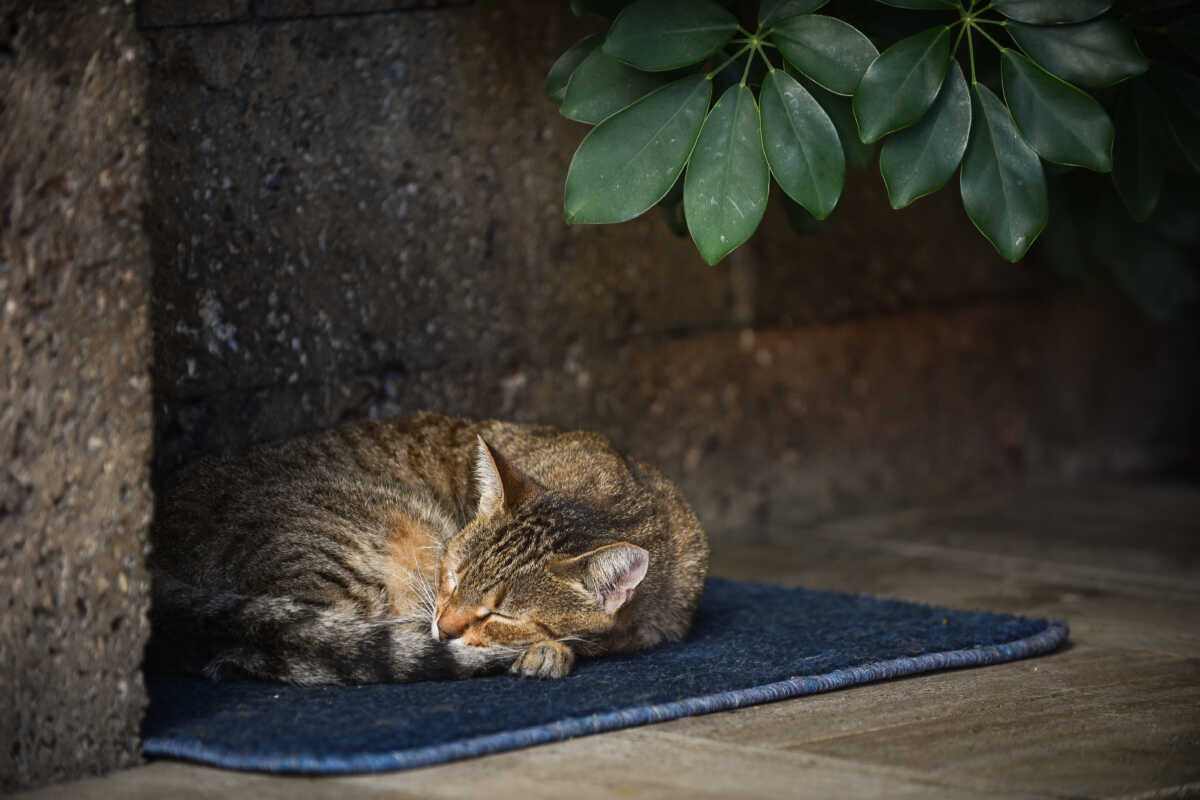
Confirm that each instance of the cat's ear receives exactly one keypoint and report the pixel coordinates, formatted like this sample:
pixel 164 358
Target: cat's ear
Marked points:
pixel 611 573
pixel 501 485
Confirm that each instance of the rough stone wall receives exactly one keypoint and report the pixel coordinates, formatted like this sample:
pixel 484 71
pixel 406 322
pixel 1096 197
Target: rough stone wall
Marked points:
pixel 774 430
pixel 360 214
pixel 75 408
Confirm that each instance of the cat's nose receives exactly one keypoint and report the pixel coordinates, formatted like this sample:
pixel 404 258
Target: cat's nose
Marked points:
pixel 452 624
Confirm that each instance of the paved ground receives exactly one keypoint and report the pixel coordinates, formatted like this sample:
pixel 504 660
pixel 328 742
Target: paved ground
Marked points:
pixel 1115 714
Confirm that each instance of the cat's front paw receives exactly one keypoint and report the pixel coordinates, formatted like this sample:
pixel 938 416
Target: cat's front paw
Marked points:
pixel 548 659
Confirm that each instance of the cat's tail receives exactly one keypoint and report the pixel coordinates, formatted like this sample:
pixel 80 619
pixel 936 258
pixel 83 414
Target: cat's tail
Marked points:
pixel 276 638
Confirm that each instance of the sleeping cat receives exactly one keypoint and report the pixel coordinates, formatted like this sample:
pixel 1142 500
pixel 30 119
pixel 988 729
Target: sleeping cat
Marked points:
pixel 420 548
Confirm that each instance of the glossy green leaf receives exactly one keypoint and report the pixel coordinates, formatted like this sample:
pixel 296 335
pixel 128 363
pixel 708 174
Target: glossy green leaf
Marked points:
pixel 1051 12
pixel 1138 156
pixel 725 189
pixel 629 161
pixel 564 66
pixel 857 152
pixel 1092 54
pixel 902 83
pixel 801 144
pixel 831 52
pixel 931 5
pixel 770 11
pixel 1002 183
pixel 920 159
pixel 1060 122
pixel 658 35
pixel 601 85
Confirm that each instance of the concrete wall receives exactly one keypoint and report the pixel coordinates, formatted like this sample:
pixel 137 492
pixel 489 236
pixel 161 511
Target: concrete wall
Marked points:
pixel 75 409
pixel 360 214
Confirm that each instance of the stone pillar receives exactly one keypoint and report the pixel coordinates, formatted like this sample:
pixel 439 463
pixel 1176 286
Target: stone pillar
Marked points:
pixel 75 391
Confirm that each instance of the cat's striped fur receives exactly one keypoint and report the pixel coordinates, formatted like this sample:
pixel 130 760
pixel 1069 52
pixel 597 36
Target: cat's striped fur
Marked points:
pixel 427 547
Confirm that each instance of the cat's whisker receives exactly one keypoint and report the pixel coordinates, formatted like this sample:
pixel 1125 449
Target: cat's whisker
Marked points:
pixel 500 648
pixel 428 608
pixel 427 592
pixel 427 597
pixel 420 588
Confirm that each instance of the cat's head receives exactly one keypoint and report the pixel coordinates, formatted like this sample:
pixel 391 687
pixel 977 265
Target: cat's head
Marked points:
pixel 533 564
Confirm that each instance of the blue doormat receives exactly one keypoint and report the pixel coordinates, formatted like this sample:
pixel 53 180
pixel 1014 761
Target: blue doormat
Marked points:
pixel 751 643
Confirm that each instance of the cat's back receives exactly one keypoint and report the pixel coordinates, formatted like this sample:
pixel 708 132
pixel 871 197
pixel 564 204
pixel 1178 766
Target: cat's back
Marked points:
pixel 349 483
pixel 230 521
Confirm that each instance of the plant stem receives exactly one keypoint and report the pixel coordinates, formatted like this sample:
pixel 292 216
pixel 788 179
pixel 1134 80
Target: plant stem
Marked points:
pixel 746 71
pixel 971 48
pixel 984 33
pixel 957 40
pixel 727 62
pixel 1001 22
pixel 767 61
pixel 759 43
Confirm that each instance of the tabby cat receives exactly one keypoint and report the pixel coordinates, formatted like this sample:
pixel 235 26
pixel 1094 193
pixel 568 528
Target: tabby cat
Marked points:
pixel 420 548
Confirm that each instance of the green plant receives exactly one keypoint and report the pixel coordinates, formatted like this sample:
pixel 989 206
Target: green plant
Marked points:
pixel 697 112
